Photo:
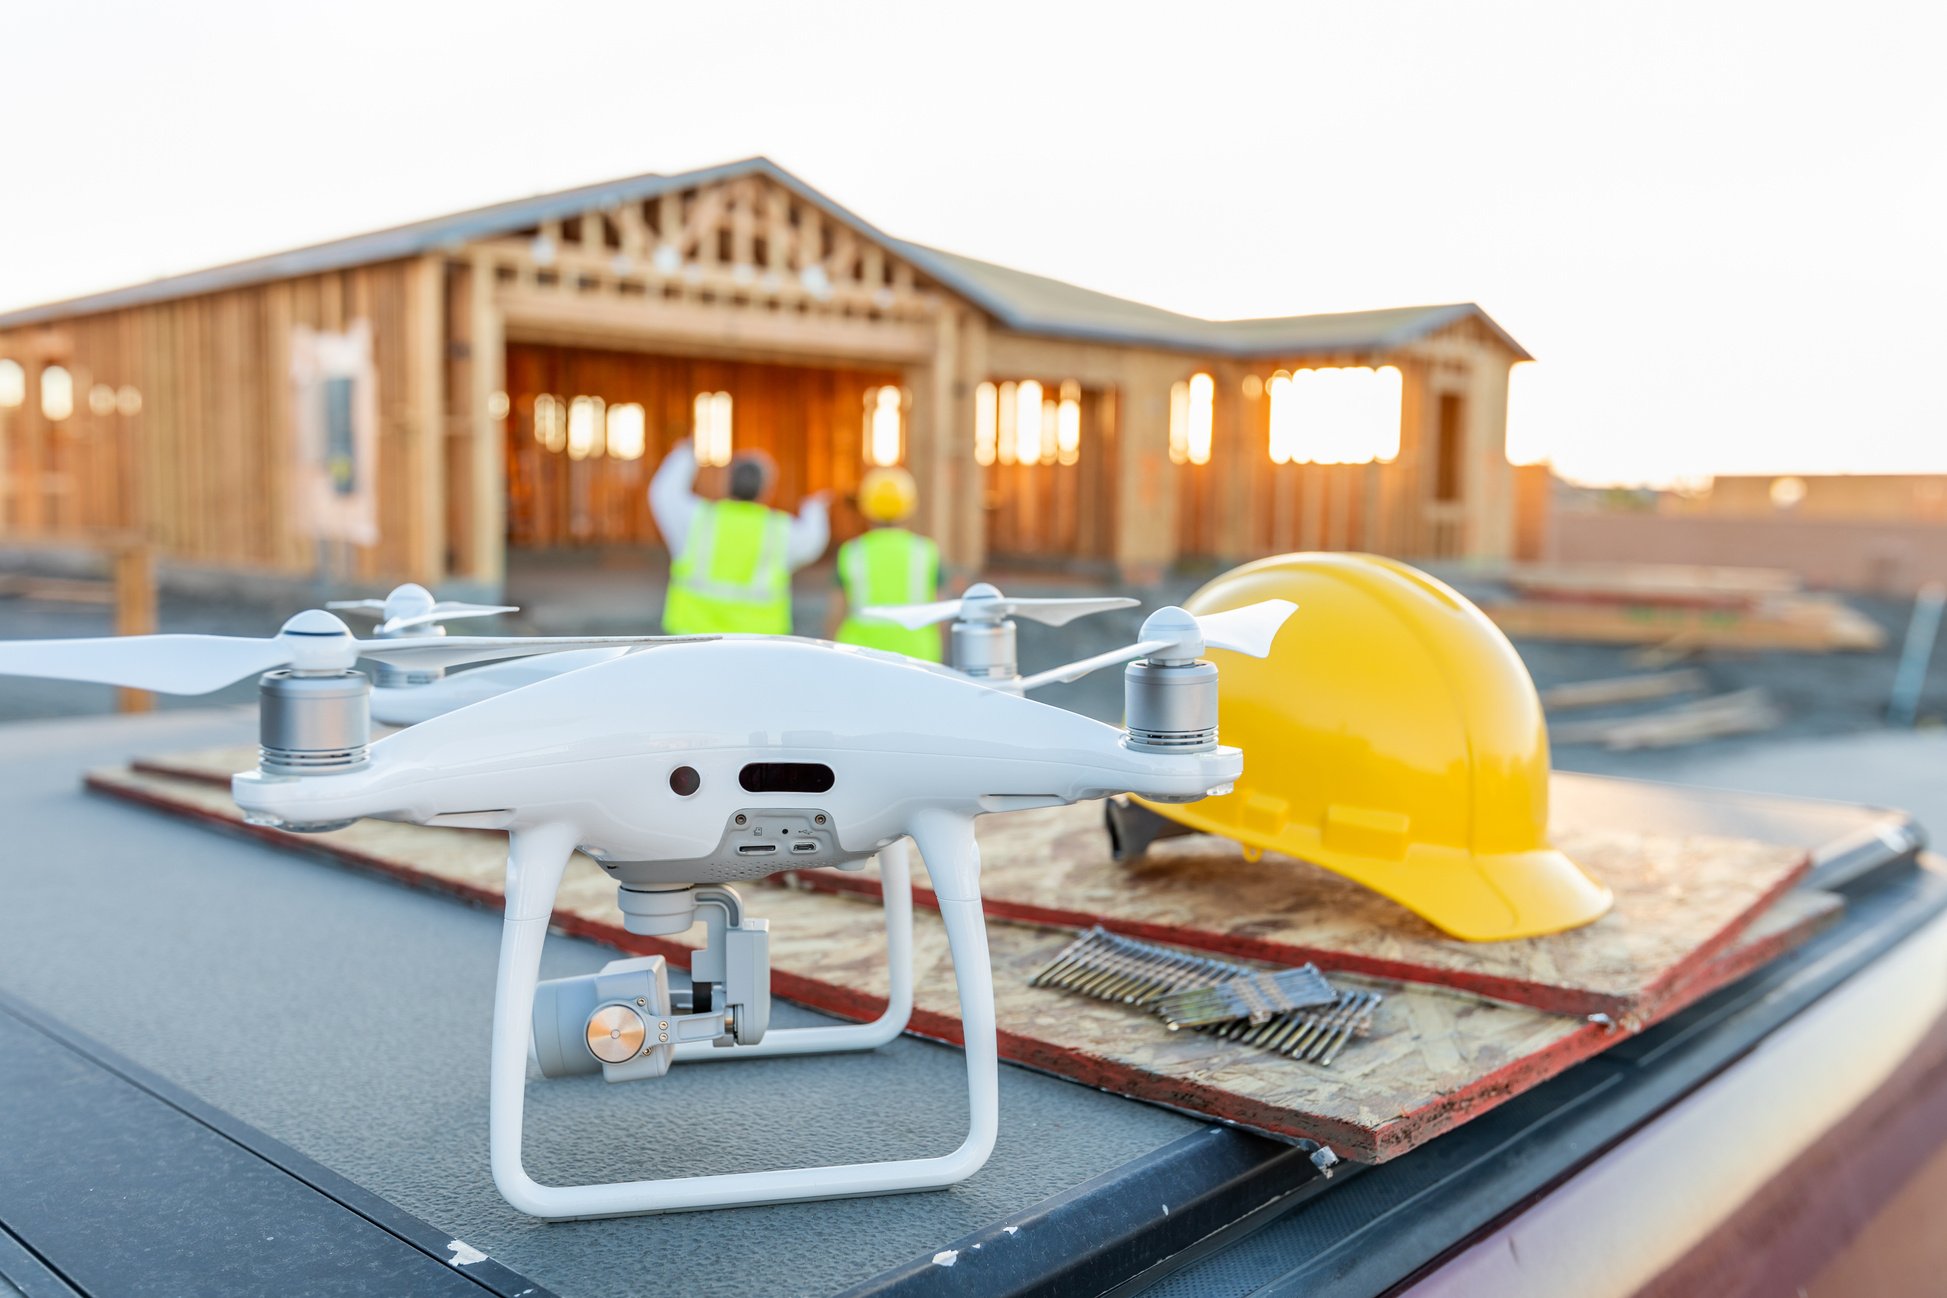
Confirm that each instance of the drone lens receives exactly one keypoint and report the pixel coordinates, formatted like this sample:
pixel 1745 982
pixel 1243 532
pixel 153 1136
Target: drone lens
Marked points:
pixel 685 781
pixel 615 1034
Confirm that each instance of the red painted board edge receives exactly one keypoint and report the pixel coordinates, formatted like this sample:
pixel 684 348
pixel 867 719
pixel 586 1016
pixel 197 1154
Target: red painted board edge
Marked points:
pixel 1551 997
pixel 187 774
pixel 1362 1144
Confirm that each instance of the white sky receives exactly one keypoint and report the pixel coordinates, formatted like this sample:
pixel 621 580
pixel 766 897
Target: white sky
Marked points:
pixel 1720 227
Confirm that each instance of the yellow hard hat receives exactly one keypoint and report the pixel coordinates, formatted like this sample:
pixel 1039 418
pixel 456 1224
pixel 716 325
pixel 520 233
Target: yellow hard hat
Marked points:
pixel 1392 736
pixel 887 495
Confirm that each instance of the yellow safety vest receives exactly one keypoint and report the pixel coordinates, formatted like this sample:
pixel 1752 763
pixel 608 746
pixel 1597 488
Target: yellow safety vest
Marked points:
pixel 889 565
pixel 732 575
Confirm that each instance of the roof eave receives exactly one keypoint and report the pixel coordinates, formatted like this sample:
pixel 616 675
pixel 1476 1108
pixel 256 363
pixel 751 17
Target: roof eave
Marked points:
pixel 433 234
pixel 455 231
pixel 1229 349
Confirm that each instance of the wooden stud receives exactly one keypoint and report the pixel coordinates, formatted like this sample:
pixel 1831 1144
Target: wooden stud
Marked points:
pixel 425 422
pixel 489 477
pixel 135 608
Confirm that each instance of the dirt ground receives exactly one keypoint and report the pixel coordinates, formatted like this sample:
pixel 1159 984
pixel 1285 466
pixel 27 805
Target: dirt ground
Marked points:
pixel 1818 694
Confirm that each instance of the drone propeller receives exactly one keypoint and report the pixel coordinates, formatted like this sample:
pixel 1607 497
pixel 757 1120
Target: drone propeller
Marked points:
pixel 310 642
pixel 1174 634
pixel 413 605
pixel 984 603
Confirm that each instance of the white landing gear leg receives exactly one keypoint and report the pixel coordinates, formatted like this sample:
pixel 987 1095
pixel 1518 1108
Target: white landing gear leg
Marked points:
pixel 535 862
pixel 896 885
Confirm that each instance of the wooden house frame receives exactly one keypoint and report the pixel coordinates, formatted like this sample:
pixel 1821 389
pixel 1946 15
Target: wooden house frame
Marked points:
pixel 741 277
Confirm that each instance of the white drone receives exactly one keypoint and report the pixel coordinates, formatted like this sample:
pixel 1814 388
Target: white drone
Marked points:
pixel 680 769
pixel 412 606
pixel 402 695
pixel 982 645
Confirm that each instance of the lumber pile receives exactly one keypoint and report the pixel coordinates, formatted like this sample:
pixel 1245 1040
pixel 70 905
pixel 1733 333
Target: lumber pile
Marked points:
pixel 1656 583
pixel 64 590
pixel 1622 689
pixel 1679 607
pixel 1736 713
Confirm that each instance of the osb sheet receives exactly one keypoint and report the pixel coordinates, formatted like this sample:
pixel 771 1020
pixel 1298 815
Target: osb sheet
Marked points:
pixel 1679 901
pixel 1435 1057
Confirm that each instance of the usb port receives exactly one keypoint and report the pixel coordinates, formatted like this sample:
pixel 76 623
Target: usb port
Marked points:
pixel 804 845
pixel 756 849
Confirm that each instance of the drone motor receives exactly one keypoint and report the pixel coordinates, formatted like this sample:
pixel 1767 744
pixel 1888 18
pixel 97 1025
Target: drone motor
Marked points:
pixel 983 647
pixel 1170 705
pixel 313 723
pixel 981 642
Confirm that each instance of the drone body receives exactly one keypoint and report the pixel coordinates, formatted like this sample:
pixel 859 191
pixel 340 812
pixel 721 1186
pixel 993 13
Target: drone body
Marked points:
pixel 679 765
pixel 409 704
pixel 982 646
pixel 653 755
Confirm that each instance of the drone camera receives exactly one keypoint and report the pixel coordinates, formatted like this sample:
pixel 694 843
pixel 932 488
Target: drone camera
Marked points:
pixel 625 1021
pixel 618 1022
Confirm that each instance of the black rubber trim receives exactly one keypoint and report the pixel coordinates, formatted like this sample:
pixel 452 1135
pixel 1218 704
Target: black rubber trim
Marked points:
pixel 95 1071
pixel 24 1269
pixel 1123 1222
pixel 1404 1217
pixel 1884 847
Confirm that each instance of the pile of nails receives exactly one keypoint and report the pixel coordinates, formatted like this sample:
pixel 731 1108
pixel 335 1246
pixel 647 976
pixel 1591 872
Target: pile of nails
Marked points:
pixel 1294 1012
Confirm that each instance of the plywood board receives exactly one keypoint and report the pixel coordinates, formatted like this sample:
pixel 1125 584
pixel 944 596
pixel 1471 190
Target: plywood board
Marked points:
pixel 1435 1058
pixel 1680 900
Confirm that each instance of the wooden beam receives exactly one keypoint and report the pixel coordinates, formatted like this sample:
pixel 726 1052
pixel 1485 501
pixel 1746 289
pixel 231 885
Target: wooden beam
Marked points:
pixel 966 548
pixel 1146 483
pixel 918 303
pixel 932 431
pixel 636 245
pixel 743 227
pixel 779 250
pixel 135 608
pixel 1238 455
pixel 425 421
pixel 487 350
pixel 29 495
pixel 811 238
pixel 598 321
pixel 702 215
pixel 842 265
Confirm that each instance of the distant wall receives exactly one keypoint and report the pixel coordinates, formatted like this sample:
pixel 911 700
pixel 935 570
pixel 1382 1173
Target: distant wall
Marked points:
pixel 1917 497
pixel 1888 557
pixel 1534 486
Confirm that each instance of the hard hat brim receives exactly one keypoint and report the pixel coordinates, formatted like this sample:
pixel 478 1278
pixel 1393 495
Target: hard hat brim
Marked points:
pixel 1477 897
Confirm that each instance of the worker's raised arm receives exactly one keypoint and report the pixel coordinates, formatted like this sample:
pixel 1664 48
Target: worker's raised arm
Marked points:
pixel 811 530
pixel 672 495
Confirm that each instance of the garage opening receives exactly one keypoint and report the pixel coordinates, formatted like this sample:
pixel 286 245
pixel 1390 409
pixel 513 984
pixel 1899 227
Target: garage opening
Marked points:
pixel 586 430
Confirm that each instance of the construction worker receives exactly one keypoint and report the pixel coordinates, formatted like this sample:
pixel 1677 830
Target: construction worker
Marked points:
pixel 888 565
pixel 731 560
